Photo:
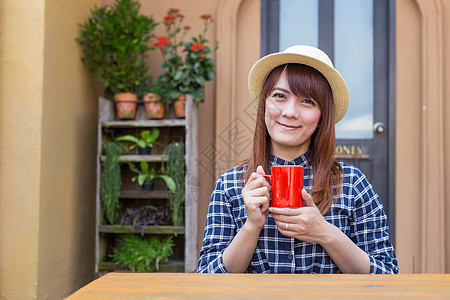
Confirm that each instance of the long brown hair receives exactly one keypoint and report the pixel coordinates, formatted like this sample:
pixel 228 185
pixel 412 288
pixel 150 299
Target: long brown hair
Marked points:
pixel 307 82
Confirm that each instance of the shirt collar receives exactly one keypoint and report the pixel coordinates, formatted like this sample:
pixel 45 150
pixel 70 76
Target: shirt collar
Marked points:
pixel 302 160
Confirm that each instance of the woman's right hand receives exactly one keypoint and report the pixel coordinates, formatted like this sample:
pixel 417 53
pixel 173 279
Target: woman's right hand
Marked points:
pixel 256 194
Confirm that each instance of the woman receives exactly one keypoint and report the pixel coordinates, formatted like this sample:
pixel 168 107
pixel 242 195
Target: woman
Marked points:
pixel 342 228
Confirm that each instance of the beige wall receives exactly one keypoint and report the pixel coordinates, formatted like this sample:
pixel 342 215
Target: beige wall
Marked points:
pixel 446 112
pixel 422 178
pixel 47 151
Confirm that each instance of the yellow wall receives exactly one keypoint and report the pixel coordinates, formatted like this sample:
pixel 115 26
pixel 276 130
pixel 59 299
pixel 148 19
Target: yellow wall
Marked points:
pixel 69 137
pixel 21 77
pixel 47 151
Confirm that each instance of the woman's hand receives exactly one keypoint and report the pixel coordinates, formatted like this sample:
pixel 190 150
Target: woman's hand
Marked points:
pixel 256 194
pixel 304 223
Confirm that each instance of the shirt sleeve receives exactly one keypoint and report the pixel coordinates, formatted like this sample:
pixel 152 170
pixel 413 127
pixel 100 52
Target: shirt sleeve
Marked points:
pixel 369 229
pixel 220 230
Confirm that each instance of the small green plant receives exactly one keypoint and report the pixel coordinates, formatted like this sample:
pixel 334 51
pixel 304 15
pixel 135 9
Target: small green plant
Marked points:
pixel 110 182
pixel 147 139
pixel 148 174
pixel 176 169
pixel 143 255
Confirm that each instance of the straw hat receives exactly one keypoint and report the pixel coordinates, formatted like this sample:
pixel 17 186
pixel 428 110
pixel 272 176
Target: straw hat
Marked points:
pixel 306 55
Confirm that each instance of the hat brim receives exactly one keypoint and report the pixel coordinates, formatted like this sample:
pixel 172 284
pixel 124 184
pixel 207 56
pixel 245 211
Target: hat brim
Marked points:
pixel 265 65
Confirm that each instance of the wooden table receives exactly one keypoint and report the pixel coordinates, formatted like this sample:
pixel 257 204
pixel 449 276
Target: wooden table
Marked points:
pixel 244 286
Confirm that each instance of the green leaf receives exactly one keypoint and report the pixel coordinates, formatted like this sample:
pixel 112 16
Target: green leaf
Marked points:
pixel 128 138
pixel 133 168
pixel 173 94
pixel 178 75
pixel 200 80
pixel 144 167
pixel 210 75
pixel 169 182
pixel 141 179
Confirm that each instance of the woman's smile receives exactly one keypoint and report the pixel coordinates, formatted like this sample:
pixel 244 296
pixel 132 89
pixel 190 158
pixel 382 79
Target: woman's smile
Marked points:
pixel 288 127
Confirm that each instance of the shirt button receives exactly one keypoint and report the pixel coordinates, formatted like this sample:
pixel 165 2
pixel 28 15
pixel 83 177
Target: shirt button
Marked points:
pixel 290 256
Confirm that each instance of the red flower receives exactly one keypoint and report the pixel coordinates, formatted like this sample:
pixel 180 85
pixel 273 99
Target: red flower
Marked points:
pixel 173 11
pixel 187 27
pixel 197 46
pixel 163 39
pixel 194 47
pixel 202 55
pixel 162 42
pixel 205 16
pixel 169 17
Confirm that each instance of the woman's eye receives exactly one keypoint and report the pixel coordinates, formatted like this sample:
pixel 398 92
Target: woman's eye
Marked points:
pixel 278 95
pixel 309 101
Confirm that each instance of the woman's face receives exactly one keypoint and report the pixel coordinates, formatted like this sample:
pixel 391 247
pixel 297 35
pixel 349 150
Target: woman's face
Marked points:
pixel 290 120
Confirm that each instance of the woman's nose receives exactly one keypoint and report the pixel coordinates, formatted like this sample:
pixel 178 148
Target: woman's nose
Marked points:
pixel 289 110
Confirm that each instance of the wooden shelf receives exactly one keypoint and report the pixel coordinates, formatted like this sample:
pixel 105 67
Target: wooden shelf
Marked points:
pixel 138 158
pixel 140 194
pixel 151 229
pixel 171 128
pixel 172 266
pixel 145 123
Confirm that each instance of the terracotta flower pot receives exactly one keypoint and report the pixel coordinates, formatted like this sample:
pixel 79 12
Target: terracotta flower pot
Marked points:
pixel 153 107
pixel 180 106
pixel 126 104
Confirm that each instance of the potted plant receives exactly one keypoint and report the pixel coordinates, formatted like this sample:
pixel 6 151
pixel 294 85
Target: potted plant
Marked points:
pixel 114 40
pixel 175 167
pixel 142 254
pixel 154 104
pixel 146 176
pixel 145 143
pixel 186 66
pixel 110 181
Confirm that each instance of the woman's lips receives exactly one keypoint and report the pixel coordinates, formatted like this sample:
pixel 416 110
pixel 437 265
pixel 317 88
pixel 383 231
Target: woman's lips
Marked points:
pixel 288 127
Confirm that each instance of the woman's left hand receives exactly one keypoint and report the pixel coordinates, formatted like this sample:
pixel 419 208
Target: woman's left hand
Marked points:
pixel 304 223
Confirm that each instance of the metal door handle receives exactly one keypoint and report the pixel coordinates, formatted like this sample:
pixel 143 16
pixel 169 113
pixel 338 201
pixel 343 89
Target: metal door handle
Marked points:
pixel 379 128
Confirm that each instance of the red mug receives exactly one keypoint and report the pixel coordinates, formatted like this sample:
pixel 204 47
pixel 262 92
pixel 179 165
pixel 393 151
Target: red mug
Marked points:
pixel 287 185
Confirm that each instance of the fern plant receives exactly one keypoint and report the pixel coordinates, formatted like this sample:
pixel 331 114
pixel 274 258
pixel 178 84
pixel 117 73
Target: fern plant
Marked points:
pixel 175 167
pixel 110 182
pixel 143 255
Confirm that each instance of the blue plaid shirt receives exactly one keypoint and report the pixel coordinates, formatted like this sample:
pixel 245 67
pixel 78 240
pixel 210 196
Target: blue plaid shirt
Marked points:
pixel 357 212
